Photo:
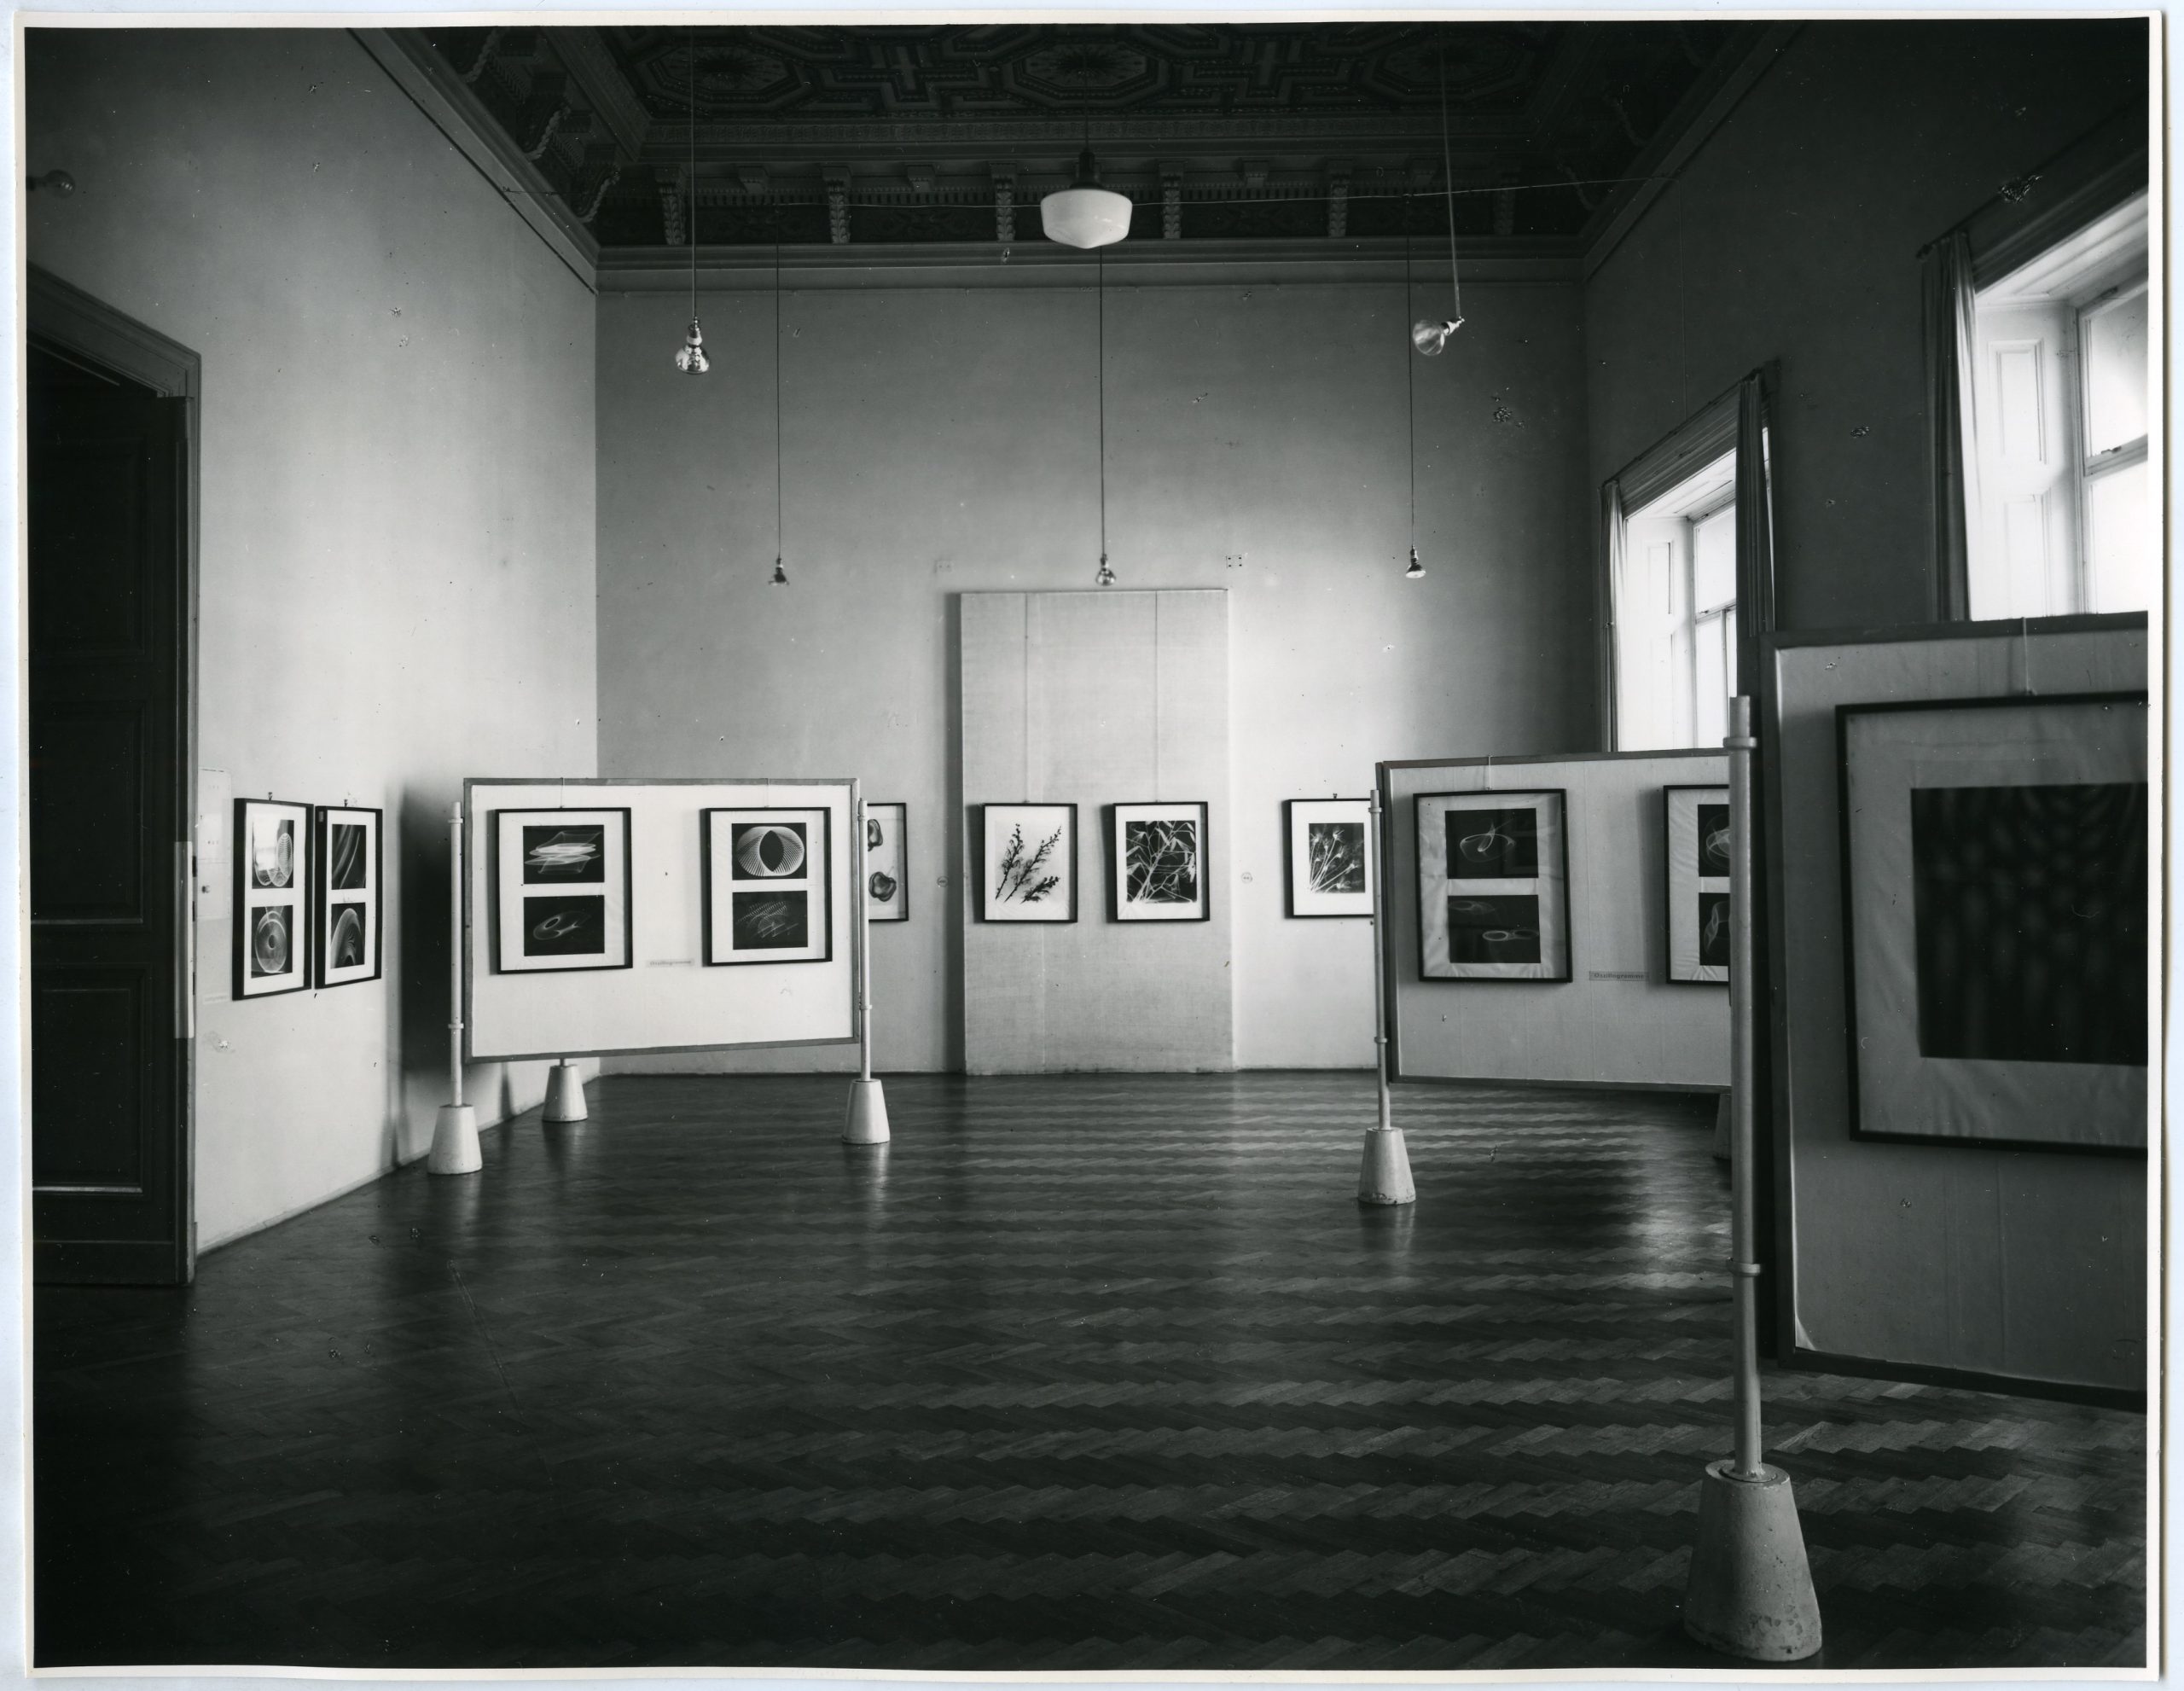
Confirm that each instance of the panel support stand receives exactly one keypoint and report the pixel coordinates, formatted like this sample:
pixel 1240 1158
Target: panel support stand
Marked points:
pixel 1750 1590
pixel 1384 1171
pixel 564 1093
pixel 867 1121
pixel 455 1134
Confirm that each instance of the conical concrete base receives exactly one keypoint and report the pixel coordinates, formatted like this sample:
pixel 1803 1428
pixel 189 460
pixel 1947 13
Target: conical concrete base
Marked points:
pixel 564 1094
pixel 455 1141
pixel 867 1124
pixel 1384 1174
pixel 1750 1592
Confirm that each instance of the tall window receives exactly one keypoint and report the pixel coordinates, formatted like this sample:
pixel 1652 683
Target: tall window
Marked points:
pixel 1675 613
pixel 2061 521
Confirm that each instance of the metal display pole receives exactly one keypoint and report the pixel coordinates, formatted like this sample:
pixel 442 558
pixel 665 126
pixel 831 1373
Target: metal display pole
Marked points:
pixel 867 1121
pixel 1750 1591
pixel 1384 1172
pixel 455 1134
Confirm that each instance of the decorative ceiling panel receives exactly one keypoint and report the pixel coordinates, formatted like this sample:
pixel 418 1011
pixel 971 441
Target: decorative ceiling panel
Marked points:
pixel 952 132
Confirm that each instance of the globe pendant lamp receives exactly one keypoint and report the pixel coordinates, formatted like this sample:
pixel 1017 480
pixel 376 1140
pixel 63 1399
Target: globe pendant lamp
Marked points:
pixel 1085 214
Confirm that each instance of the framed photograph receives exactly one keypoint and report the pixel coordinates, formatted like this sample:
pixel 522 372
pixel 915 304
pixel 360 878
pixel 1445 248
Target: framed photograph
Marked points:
pixel 766 893
pixel 560 890
pixel 1328 856
pixel 345 919
pixel 886 863
pixel 1494 886
pixel 272 902
pixel 1995 891
pixel 1027 862
pixel 1698 859
pixel 1156 862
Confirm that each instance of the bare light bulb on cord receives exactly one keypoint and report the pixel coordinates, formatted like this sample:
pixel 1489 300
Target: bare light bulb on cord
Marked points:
pixel 1426 335
pixel 690 358
pixel 1429 337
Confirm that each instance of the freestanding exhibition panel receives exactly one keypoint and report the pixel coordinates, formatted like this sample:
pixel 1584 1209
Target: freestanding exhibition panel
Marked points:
pixel 1996 1259
pixel 678 981
pixel 1618 1018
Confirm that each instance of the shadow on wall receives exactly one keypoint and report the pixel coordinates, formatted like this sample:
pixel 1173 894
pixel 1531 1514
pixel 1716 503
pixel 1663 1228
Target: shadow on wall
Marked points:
pixel 417 986
pixel 959 889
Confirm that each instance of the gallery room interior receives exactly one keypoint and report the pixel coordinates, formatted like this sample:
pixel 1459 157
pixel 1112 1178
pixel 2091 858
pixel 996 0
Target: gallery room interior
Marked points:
pixel 1306 846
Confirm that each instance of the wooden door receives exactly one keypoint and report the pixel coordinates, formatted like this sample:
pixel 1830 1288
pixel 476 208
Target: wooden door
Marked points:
pixel 108 858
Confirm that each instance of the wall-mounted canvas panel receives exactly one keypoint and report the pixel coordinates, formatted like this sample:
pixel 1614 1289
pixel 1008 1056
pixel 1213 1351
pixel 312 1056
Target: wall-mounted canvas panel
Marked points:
pixel 1618 1020
pixel 273 874
pixel 347 915
pixel 1995 864
pixel 887 863
pixel 666 999
pixel 1328 856
pixel 560 890
pixel 1999 1262
pixel 766 885
pixel 1493 886
pixel 1697 884
pixel 1156 862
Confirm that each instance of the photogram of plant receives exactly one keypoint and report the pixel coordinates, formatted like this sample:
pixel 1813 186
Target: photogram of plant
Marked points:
pixel 1161 863
pixel 1338 850
pixel 1020 880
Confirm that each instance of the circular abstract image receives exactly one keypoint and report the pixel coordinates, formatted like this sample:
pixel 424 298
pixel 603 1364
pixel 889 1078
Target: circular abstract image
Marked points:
pixel 269 943
pixel 345 945
pixel 769 851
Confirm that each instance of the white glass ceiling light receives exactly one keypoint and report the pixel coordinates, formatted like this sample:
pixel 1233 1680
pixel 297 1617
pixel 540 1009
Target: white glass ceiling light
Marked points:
pixel 1085 214
pixel 1428 336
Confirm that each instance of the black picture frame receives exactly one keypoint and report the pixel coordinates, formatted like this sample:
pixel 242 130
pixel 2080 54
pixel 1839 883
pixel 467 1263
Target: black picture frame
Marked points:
pixel 494 935
pixel 301 921
pixel 824 881
pixel 1112 869
pixel 1487 797
pixel 1289 863
pixel 322 818
pixel 1844 715
pixel 1670 977
pixel 977 843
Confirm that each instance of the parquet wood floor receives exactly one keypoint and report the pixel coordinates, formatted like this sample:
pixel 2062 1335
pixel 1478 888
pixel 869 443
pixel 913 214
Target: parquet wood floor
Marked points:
pixel 1081 1372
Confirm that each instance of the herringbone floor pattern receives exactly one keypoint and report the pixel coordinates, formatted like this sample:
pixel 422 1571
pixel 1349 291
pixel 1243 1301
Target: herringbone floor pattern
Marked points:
pixel 1082 1372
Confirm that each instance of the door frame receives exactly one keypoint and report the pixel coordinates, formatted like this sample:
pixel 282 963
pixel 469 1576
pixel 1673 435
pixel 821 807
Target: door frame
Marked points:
pixel 62 319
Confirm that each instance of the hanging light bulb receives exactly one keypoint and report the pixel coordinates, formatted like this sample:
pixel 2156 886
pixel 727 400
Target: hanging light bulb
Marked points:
pixel 781 575
pixel 1417 570
pixel 1107 577
pixel 1085 214
pixel 691 359
pixel 1429 337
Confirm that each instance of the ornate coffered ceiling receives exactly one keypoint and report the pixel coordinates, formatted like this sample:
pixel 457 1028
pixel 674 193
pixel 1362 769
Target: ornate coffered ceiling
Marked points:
pixel 951 133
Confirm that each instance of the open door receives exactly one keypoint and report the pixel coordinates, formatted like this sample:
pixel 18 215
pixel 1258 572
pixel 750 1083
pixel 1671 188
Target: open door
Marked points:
pixel 111 1012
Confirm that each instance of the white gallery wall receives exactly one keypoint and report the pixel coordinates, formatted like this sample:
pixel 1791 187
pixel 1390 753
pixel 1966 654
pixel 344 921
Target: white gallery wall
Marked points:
pixel 396 529
pixel 942 440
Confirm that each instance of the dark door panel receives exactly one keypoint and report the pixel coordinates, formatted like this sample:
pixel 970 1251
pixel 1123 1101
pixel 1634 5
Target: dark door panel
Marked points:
pixel 109 794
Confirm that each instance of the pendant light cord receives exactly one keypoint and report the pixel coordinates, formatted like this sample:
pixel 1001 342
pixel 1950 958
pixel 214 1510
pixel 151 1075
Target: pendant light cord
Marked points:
pixel 1448 187
pixel 778 403
pixel 1101 289
pixel 1410 381
pixel 690 48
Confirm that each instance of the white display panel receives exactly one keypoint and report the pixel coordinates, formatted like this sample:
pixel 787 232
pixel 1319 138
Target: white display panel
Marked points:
pixel 667 999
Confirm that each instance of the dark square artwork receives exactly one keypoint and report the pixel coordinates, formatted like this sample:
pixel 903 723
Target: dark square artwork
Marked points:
pixel 1494 845
pixel 1714 929
pixel 554 854
pixel 1713 841
pixel 2030 917
pixel 345 857
pixel 768 851
pixel 564 927
pixel 1337 850
pixel 272 941
pixel 770 922
pixel 1503 928
pixel 345 935
pixel 1160 861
